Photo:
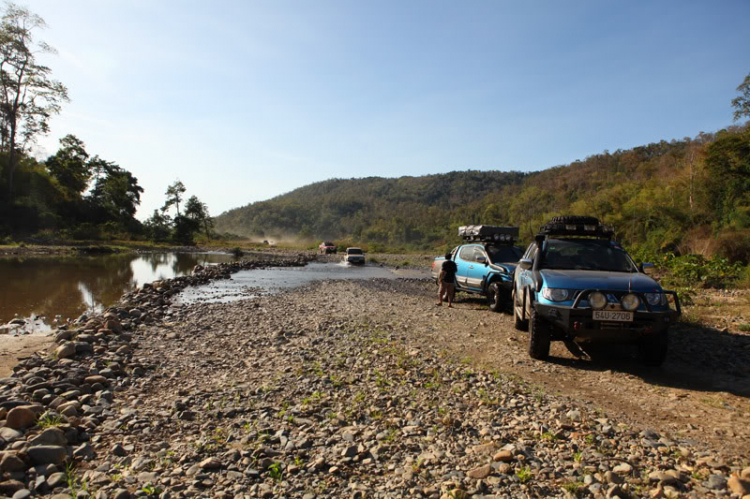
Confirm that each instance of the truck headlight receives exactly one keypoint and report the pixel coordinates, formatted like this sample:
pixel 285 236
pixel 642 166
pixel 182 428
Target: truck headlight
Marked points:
pixel 597 300
pixel 555 294
pixel 654 299
pixel 630 302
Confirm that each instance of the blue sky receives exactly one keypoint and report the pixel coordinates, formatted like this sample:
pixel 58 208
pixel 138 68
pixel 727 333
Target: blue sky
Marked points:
pixel 246 100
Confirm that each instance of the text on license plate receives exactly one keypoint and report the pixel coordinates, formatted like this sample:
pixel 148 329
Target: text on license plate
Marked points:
pixel 613 315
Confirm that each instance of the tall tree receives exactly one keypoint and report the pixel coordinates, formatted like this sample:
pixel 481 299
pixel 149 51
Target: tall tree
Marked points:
pixel 174 196
pixel 28 95
pixel 70 167
pixel 116 190
pixel 198 211
pixel 741 103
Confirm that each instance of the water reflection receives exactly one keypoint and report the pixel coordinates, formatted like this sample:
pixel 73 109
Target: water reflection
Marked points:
pixel 37 289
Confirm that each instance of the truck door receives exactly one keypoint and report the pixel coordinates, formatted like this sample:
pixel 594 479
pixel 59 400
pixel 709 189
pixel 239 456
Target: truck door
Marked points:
pixel 477 270
pixel 523 277
pixel 463 262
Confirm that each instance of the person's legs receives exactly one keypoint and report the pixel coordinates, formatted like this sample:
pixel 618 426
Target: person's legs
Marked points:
pixel 441 290
pixel 450 292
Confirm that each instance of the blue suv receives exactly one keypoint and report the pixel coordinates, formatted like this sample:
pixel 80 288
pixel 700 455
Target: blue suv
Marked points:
pixel 576 284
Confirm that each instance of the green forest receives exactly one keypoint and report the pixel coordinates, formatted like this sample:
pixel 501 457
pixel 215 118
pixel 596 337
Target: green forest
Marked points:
pixel 70 195
pixel 689 196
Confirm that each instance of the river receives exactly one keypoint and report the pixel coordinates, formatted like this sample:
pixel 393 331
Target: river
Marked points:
pixel 44 291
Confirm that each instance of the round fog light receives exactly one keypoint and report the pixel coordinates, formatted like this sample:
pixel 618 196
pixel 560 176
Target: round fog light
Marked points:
pixel 630 302
pixel 597 300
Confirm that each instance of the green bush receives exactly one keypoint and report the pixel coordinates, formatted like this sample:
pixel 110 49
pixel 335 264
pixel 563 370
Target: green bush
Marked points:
pixel 81 232
pixel 695 270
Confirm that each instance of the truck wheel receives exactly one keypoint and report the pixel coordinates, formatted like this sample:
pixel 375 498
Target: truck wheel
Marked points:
pixel 494 297
pixel 539 338
pixel 518 323
pixel 572 219
pixel 653 348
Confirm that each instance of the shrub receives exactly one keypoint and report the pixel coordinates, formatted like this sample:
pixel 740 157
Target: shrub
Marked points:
pixel 692 270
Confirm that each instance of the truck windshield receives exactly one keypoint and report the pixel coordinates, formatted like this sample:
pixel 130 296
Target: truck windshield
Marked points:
pixel 503 254
pixel 354 251
pixel 586 254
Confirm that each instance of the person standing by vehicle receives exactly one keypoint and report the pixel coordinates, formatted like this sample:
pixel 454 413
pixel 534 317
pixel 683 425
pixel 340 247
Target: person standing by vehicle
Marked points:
pixel 447 279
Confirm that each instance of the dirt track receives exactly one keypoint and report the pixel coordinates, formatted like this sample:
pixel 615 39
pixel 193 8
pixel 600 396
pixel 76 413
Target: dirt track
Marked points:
pixel 702 392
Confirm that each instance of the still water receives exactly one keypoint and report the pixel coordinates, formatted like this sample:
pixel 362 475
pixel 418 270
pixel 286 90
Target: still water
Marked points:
pixel 46 290
pixel 249 283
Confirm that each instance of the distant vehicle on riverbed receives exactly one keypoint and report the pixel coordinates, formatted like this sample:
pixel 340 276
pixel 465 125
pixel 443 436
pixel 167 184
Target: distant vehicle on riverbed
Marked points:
pixel 355 256
pixel 327 247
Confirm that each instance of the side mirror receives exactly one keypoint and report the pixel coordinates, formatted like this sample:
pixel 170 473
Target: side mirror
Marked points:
pixel 525 263
pixel 647 268
pixel 482 259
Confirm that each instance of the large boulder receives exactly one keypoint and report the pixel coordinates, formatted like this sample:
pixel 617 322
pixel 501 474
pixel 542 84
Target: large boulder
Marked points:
pixel 50 436
pixel 66 350
pixel 48 454
pixel 20 417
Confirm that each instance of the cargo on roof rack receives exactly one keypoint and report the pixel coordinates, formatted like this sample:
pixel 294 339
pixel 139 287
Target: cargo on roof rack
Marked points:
pixel 590 228
pixel 488 233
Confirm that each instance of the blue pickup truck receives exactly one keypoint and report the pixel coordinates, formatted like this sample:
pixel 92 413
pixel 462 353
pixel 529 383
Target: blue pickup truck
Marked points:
pixel 486 263
pixel 577 285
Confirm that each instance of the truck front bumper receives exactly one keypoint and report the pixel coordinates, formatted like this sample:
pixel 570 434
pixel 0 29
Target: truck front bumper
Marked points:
pixel 578 324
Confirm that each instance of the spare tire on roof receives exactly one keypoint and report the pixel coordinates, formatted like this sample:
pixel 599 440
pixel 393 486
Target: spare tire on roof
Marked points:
pixel 575 219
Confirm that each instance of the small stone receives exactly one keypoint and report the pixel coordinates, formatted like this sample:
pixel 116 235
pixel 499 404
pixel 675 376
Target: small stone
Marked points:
pixel 738 486
pixel 503 456
pixel 656 493
pixel 622 468
pixel 50 436
pixel 55 480
pixel 113 325
pixel 22 494
pixel 503 468
pixel 479 473
pixel 96 379
pixel 118 450
pixel 210 463
pixel 11 462
pixel 484 448
pixel 121 494
pixel 613 478
pixel 48 454
pixel 716 482
pixel 9 434
pixel 83 451
pixel 20 417
pixel 574 415
pixel 66 350
pixel 10 487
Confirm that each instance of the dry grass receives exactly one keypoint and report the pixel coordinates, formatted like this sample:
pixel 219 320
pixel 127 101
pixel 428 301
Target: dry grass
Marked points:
pixel 720 310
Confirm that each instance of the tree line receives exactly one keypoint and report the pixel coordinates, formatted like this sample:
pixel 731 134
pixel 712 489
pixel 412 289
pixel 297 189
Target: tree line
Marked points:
pixel 71 194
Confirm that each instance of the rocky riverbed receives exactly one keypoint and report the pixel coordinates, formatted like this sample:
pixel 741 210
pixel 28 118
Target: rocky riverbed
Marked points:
pixel 341 389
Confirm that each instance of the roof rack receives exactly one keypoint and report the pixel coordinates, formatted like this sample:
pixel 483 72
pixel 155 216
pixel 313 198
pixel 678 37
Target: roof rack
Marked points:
pixel 577 229
pixel 488 233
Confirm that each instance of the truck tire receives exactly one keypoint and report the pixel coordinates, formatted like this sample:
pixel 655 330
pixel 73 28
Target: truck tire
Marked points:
pixel 539 337
pixel 518 323
pixel 494 297
pixel 652 349
pixel 574 219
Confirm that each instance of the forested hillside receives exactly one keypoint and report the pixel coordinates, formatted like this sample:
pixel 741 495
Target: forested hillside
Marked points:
pixel 692 194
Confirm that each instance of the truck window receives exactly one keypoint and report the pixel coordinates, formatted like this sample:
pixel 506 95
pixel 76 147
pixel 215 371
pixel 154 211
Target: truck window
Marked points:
pixel 503 254
pixel 467 253
pixel 530 251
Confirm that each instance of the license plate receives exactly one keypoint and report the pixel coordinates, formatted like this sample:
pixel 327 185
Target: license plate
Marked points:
pixel 613 316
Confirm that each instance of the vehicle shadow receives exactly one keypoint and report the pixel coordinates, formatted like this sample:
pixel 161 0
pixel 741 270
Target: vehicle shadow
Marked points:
pixel 479 303
pixel 700 358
